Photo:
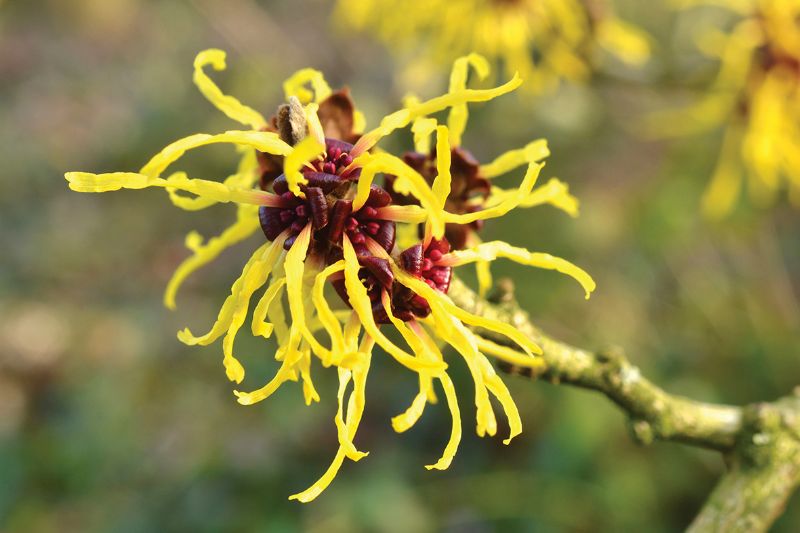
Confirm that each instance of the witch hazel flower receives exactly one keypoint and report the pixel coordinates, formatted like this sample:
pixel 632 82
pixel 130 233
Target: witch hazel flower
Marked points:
pixel 307 180
pixel 548 41
pixel 473 195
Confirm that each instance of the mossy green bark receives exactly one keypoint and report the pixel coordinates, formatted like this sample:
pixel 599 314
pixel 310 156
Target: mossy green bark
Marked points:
pixel 761 442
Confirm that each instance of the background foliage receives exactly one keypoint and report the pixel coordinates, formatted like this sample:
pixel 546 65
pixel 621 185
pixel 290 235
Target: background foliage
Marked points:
pixel 107 423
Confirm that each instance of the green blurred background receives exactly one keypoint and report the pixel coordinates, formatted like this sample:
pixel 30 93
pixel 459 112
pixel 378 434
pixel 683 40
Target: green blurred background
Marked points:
pixel 108 423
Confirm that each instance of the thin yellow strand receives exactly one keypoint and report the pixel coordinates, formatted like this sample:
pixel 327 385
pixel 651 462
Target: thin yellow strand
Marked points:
pixel 225 103
pixel 203 253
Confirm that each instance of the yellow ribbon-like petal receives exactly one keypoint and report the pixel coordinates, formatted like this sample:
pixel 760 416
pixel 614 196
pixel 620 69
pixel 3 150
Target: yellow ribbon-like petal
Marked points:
pixel 259 326
pixel 295 86
pixel 305 151
pixel 354 413
pixel 421 127
pixel 255 278
pixel 225 103
pixel 506 205
pixel 441 183
pixel 414 181
pixel 226 311
pixel 457 119
pixel 212 190
pixel 326 316
pixel 407 419
pixel 533 152
pixel 246 175
pixel 296 291
pixel 555 192
pixel 402 118
pixel 361 304
pixel 203 253
pixel 489 251
pixel 263 141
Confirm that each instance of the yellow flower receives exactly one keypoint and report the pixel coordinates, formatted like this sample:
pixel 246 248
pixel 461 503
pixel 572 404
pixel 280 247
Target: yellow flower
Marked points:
pixel 755 98
pixel 327 225
pixel 546 40
pixel 471 186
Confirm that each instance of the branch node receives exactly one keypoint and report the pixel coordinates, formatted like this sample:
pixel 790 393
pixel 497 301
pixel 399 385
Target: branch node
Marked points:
pixel 611 355
pixel 642 432
pixel 503 292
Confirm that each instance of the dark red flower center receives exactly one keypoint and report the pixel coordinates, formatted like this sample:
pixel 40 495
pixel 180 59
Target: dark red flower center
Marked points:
pixel 468 189
pixel 327 206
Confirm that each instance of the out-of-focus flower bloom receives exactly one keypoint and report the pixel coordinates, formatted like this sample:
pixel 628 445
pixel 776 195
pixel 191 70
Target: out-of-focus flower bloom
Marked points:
pixel 328 224
pixel 755 98
pixel 545 40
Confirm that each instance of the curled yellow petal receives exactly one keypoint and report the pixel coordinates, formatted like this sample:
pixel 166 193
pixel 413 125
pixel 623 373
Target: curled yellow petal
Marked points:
pixel 226 311
pixel 441 183
pixel 263 141
pixel 246 175
pixel 286 372
pixel 225 103
pixel 326 316
pixel 361 304
pixel 506 205
pixel 312 492
pixel 211 190
pixel 438 299
pixel 500 391
pixel 314 125
pixel 483 272
pixel 464 96
pixel 457 119
pixel 455 433
pixel 252 280
pixel 421 127
pixel 402 118
pixel 246 223
pixel 462 340
pixel 363 186
pixel 306 150
pixel 310 393
pixel 407 419
pixel 555 192
pixel 354 414
pixel 533 152
pixel 509 355
pixel 295 86
pixel 260 326
pixel 411 214
pixel 341 426
pixel 275 311
pixel 296 290
pixel 413 180
pixel 489 251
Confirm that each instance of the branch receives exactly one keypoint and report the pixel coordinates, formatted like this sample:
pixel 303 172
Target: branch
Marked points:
pixel 761 442
pixel 763 473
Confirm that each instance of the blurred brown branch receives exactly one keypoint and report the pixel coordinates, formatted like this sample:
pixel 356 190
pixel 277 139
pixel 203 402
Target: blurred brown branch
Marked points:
pixel 761 442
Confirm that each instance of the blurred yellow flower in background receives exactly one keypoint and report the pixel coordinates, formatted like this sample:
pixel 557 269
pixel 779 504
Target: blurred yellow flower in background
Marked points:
pixel 547 41
pixel 755 98
pixel 306 178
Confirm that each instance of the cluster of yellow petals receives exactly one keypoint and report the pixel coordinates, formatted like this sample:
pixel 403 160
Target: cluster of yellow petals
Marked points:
pixel 754 98
pixel 545 40
pixel 292 303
